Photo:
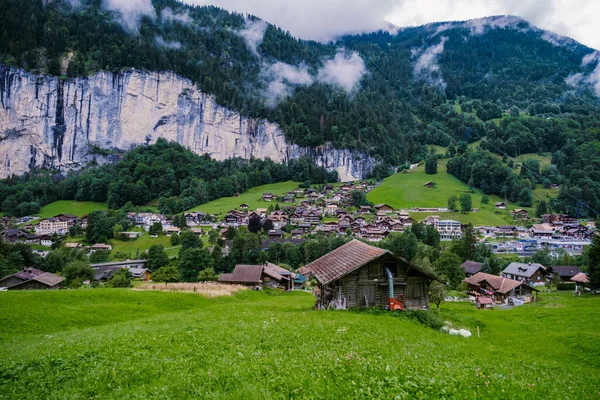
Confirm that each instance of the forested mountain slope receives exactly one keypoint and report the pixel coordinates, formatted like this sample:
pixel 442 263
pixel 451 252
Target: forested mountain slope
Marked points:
pixel 386 94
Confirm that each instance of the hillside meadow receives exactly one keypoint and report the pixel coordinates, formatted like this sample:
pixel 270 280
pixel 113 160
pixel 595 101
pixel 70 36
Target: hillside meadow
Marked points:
pixel 78 208
pixel 121 343
pixel 252 197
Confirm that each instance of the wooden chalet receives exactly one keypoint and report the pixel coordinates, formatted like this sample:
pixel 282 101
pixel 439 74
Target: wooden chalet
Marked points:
pixel 383 208
pixel 499 288
pixel 31 279
pixel 356 275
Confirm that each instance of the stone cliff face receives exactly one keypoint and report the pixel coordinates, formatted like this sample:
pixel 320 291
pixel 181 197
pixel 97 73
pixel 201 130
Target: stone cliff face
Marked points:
pixel 48 122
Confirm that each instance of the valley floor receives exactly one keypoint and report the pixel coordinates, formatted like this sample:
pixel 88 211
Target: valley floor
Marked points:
pixel 120 343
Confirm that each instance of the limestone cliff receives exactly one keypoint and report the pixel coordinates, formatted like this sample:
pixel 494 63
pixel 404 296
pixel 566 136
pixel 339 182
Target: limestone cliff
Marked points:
pixel 49 122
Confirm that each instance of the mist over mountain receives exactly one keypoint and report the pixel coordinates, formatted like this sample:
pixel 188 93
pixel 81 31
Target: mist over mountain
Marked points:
pixel 387 94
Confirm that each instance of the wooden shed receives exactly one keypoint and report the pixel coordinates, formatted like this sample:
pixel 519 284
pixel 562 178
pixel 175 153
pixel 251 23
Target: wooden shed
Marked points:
pixel 354 275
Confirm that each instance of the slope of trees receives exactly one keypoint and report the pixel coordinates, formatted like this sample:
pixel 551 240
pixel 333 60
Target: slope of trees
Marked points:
pixel 176 176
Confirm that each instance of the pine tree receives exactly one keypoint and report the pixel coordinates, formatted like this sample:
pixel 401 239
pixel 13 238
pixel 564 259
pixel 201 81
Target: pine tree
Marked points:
pixel 541 209
pixel 594 263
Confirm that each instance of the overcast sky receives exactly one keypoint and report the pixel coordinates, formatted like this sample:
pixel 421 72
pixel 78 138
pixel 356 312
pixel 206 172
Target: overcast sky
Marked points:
pixel 323 20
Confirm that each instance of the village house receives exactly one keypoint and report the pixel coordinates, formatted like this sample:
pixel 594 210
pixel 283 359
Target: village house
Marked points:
pixel 31 279
pixel 275 234
pixel 519 213
pixel 431 219
pixel 46 240
pixel 297 233
pixel 499 288
pixel 262 212
pixel 448 229
pixel 500 205
pixel 383 208
pixel 268 197
pixel 52 225
pixel 533 274
pixel 289 198
pixel 558 218
pixel 471 267
pixel 19 235
pixel 236 218
pixel 194 218
pixel 99 246
pixel 565 273
pixel 365 209
pixel 313 217
pixel 541 231
pixel 258 275
pixel 506 231
pixel 357 274
pixel 373 234
pixel 121 264
pixel 331 209
pixel 172 230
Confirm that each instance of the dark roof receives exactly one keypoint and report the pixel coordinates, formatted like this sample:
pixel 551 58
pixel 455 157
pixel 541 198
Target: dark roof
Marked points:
pixel 25 274
pixel 49 279
pixel 243 274
pixel 348 258
pixel 522 269
pixel 566 271
pixel 471 267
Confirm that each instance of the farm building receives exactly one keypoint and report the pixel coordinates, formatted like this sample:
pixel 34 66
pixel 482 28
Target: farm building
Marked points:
pixel 533 274
pixel 31 279
pixel 260 275
pixel 565 273
pixel 499 288
pixel 357 274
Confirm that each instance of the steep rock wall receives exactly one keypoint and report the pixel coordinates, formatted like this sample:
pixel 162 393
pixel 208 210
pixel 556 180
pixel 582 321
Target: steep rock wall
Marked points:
pixel 48 122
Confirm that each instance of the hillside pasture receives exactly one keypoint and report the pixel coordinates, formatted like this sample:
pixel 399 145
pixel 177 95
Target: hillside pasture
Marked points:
pixel 406 190
pixel 121 343
pixel 252 197
pixel 78 208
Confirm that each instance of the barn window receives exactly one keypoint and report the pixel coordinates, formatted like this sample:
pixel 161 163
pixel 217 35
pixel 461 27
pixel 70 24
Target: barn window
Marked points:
pixel 393 267
pixel 373 271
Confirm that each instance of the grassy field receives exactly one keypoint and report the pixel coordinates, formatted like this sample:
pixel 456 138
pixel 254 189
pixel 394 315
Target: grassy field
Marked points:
pixel 142 244
pixel 406 190
pixel 251 197
pixel 78 208
pixel 119 343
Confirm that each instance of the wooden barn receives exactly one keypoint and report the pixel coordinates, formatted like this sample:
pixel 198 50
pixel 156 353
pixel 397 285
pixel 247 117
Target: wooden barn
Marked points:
pixel 356 275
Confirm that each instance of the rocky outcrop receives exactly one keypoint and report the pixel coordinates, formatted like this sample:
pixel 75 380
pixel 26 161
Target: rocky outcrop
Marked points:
pixel 49 122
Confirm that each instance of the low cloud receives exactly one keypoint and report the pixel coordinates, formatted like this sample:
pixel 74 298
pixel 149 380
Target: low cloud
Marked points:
pixel 426 67
pixel 253 34
pixel 344 71
pixel 592 79
pixel 168 15
pixel 282 79
pixel 162 43
pixel 130 12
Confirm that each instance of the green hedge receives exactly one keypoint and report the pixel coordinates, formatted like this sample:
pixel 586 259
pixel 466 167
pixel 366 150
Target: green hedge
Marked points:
pixel 566 286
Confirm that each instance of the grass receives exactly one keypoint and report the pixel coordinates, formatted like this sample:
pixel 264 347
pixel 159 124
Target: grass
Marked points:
pixel 78 208
pixel 251 197
pixel 120 343
pixel 209 289
pixel 406 190
pixel 142 244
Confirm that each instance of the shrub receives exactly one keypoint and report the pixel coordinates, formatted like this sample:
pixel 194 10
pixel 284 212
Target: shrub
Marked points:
pixel 566 286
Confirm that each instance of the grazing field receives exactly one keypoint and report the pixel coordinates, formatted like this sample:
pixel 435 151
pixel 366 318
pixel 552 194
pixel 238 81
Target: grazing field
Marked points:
pixel 251 197
pixel 142 244
pixel 209 289
pixel 121 343
pixel 406 190
pixel 78 208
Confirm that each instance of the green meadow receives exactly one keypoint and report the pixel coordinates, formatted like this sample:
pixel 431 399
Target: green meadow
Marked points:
pixel 406 190
pixel 78 208
pixel 121 343
pixel 252 197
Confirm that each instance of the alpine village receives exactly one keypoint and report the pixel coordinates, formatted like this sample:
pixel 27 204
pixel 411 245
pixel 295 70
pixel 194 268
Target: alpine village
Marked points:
pixel 196 202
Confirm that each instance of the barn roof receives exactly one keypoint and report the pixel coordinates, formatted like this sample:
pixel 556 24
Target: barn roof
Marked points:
pixel 243 274
pixel 580 278
pixel 499 283
pixel 348 258
pixel 471 267
pixel 566 271
pixel 49 279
